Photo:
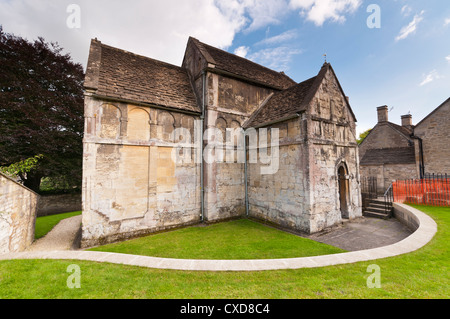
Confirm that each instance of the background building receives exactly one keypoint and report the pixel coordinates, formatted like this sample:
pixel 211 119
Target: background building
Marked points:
pixel 393 152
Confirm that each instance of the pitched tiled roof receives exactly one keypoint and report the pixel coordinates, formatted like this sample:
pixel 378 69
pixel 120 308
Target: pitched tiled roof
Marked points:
pixel 242 67
pixel 402 129
pixel 123 75
pixel 291 101
pixel 282 104
pixel 398 155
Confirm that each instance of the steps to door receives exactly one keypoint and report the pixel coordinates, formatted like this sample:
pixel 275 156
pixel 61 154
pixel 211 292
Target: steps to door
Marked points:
pixel 377 208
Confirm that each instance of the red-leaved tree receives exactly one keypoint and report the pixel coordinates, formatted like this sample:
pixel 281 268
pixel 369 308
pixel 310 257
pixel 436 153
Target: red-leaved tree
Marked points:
pixel 41 109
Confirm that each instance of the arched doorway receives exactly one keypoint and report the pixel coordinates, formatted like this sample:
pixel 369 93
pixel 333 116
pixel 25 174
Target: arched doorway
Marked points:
pixel 344 190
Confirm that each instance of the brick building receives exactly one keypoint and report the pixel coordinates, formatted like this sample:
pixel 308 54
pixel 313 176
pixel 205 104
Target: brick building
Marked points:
pixel 168 146
pixel 396 152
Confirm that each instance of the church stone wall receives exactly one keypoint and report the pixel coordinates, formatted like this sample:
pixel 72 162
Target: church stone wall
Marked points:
pixel 229 103
pixel 304 193
pixel 332 144
pixel 131 184
pixel 281 197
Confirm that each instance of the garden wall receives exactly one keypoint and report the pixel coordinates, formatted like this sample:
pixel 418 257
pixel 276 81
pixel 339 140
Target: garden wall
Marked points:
pixel 405 216
pixel 18 206
pixel 58 204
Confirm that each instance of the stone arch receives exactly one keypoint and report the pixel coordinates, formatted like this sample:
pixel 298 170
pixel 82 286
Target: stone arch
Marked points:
pixel 222 125
pixel 233 136
pixel 235 143
pixel 343 186
pixel 187 122
pixel 138 127
pixel 165 126
pixel 110 116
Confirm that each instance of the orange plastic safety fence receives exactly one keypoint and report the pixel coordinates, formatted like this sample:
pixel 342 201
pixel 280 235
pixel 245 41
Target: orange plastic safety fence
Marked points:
pixel 427 191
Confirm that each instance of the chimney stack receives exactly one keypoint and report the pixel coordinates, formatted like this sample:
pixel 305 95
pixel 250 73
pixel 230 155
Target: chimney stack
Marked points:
pixel 382 113
pixel 407 120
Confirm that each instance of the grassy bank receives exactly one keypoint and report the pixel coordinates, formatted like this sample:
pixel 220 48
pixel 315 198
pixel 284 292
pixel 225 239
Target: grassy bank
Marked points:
pixel 239 239
pixel 420 274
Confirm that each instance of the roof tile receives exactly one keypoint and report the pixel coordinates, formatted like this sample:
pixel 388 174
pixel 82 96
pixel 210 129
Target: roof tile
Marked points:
pixel 120 74
pixel 398 155
pixel 243 67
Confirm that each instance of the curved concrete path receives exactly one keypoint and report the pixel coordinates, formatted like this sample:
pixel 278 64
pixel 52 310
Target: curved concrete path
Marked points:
pixel 426 230
pixel 63 236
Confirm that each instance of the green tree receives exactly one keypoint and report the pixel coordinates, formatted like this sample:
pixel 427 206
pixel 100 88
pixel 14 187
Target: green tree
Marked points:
pixel 363 135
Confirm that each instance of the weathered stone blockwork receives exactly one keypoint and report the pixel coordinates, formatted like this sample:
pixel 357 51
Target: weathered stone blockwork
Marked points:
pixel 393 152
pixel 283 198
pixel 57 204
pixel 230 102
pixel 132 185
pixel 304 194
pixel 18 207
pixel 387 173
pixel 434 130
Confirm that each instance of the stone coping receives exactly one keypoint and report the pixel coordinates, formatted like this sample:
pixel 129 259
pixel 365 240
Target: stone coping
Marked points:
pixel 425 231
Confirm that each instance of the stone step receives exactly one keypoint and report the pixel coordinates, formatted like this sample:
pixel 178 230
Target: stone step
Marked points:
pixel 377 209
pixel 377 205
pixel 381 210
pixel 376 215
pixel 377 201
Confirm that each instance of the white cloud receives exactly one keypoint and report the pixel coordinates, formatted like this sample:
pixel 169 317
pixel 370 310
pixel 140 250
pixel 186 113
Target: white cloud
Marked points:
pixel 411 27
pixel 406 10
pixel 158 29
pixel 280 38
pixel 430 77
pixel 255 13
pixel 277 58
pixel 447 22
pixel 318 11
pixel 241 51
pixel 263 13
pixel 448 58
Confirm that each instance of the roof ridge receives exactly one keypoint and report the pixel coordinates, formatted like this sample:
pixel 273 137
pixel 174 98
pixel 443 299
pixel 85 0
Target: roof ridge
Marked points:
pixel 203 50
pixel 401 129
pixel 429 114
pixel 206 46
pixel 317 81
pixel 291 91
pixel 257 111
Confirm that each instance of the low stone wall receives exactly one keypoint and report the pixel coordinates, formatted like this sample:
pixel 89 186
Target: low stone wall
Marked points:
pixel 405 216
pixel 57 204
pixel 18 206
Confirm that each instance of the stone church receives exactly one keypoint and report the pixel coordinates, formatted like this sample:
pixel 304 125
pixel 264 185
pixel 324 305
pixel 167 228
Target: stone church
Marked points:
pixel 282 152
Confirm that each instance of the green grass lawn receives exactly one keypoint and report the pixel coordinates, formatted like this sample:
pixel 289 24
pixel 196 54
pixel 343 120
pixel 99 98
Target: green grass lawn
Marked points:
pixel 45 224
pixel 239 239
pixel 420 274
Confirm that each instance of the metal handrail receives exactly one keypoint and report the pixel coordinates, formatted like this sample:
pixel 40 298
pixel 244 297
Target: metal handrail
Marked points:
pixel 388 190
pixel 388 198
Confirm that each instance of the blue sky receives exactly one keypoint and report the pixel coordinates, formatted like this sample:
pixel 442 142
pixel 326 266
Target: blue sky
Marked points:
pixel 404 64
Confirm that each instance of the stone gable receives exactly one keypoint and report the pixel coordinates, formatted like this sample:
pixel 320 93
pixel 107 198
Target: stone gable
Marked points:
pixel 434 130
